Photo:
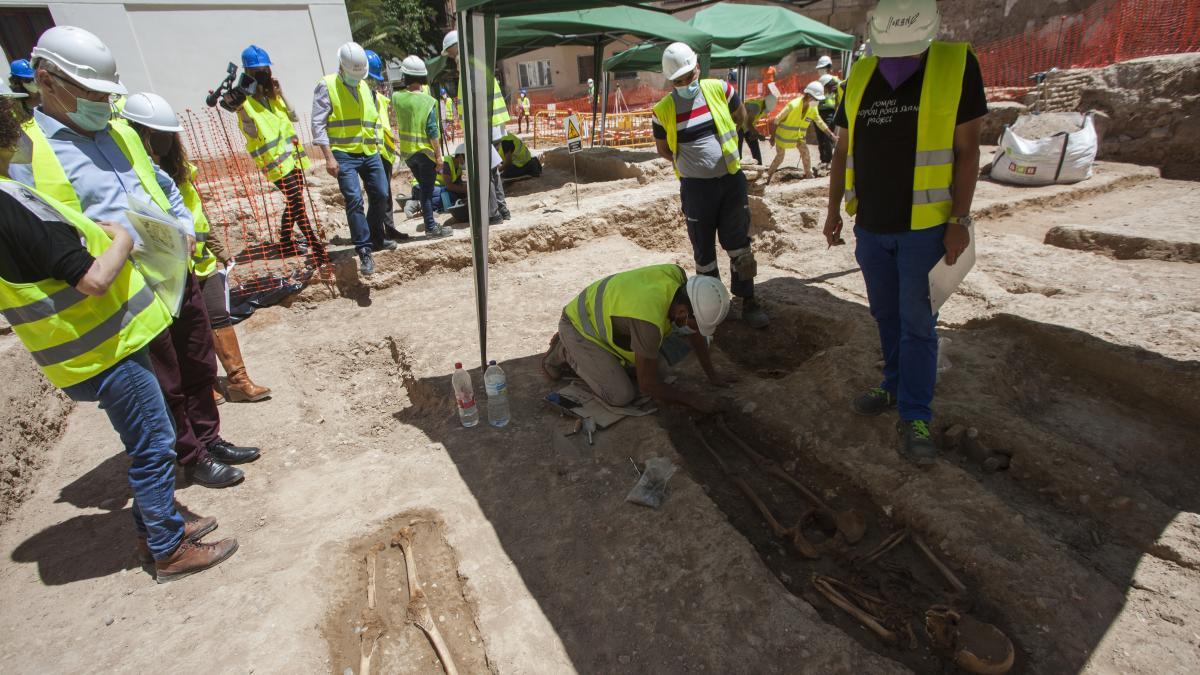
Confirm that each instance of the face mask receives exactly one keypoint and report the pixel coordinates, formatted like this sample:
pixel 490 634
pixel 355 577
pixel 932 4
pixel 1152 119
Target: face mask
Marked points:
pixel 351 82
pixel 263 78
pixel 161 143
pixel 897 69
pixel 90 115
pixel 31 87
pixel 24 151
pixel 690 90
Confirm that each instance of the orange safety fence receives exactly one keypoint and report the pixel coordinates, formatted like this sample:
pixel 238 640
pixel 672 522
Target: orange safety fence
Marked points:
pixel 248 213
pixel 1108 32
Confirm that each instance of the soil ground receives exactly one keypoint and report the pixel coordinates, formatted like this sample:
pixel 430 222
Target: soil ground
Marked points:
pixel 1085 552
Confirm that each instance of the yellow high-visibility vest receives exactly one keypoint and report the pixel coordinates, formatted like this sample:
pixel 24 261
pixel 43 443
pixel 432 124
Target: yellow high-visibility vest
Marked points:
pixel 387 137
pixel 276 149
pixel 73 336
pixel 713 92
pixel 499 107
pixel 644 293
pixel 50 178
pixel 353 124
pixel 520 155
pixel 792 122
pixel 936 119
pixel 202 263
pixel 412 114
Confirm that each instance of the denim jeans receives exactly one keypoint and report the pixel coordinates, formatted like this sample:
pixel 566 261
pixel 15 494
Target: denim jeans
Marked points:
pixel 366 230
pixel 425 171
pixel 129 394
pixel 896 268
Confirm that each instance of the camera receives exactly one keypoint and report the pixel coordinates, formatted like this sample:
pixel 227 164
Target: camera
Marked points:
pixel 229 95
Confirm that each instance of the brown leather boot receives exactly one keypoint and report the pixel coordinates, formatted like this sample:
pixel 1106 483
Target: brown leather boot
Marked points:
pixel 194 528
pixel 192 557
pixel 217 395
pixel 238 386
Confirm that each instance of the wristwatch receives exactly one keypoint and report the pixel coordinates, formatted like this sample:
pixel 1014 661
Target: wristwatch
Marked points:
pixel 965 221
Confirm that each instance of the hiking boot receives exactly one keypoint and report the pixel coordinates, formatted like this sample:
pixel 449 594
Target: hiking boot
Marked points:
pixel 439 232
pixel 874 402
pixel 918 446
pixel 194 529
pixel 191 557
pixel 552 363
pixel 386 245
pixel 411 208
pixel 495 220
pixel 366 264
pixel 753 314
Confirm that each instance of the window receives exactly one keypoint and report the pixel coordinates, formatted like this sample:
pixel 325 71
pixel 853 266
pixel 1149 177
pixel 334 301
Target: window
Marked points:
pixel 627 75
pixel 587 66
pixel 20 29
pixel 534 74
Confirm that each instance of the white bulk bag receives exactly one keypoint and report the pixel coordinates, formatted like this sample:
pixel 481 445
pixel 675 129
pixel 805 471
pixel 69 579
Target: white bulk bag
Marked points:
pixel 1065 157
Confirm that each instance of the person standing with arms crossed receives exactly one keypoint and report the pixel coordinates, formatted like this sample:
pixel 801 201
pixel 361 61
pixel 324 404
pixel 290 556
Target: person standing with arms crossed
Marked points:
pixel 906 162
pixel 345 123
pixel 695 128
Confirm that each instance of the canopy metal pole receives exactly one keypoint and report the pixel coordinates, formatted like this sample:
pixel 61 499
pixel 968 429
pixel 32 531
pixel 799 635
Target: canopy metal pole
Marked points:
pixel 604 108
pixel 742 72
pixel 597 69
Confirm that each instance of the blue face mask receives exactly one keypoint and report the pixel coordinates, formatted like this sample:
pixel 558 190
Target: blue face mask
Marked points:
pixel 690 90
pixel 90 115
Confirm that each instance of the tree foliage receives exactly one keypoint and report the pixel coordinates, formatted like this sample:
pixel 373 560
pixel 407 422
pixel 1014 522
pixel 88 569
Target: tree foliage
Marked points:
pixel 396 28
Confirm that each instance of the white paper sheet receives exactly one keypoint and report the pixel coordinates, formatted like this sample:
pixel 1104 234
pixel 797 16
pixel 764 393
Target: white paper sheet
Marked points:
pixel 161 256
pixel 944 279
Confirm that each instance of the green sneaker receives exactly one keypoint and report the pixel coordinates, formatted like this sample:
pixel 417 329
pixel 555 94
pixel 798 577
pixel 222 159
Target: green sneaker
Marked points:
pixel 874 402
pixel 918 445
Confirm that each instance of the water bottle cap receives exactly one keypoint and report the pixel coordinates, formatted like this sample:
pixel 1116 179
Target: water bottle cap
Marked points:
pixel 458 365
pixel 492 362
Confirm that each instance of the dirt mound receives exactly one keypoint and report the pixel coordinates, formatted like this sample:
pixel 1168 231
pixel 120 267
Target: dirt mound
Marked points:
pixel 603 164
pixel 34 413
pixel 1122 246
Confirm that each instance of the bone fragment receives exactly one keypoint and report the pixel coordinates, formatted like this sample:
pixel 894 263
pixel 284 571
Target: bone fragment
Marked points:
pixel 827 590
pixel 418 608
pixel 933 560
pixel 884 546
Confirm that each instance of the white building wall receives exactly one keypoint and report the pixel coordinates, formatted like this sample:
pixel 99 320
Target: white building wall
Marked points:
pixel 180 50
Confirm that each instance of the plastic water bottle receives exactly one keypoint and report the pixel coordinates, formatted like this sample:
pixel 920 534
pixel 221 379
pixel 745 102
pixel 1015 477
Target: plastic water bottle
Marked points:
pixel 497 393
pixel 464 394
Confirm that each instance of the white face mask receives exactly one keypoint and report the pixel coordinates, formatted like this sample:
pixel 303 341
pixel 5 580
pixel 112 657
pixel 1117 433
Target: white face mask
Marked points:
pixel 351 82
pixel 689 91
pixel 24 151
pixel 31 87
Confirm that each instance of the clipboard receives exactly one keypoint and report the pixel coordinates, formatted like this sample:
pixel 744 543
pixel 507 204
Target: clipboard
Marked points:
pixel 944 279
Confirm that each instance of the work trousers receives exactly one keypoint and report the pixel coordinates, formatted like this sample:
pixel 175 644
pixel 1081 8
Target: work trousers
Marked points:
pixel 366 228
pixel 389 214
pixel 524 118
pixel 214 288
pixel 532 168
pixel 752 141
pixel 425 171
pixel 295 214
pixel 718 209
pixel 604 374
pixel 130 396
pixel 781 148
pixel 896 268
pixel 497 206
pixel 186 367
pixel 825 143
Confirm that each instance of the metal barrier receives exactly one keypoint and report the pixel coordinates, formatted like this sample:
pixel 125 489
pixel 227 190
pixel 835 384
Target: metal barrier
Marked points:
pixel 629 130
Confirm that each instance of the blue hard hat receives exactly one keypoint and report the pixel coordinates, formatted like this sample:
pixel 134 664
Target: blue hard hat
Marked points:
pixel 255 57
pixel 22 69
pixel 443 91
pixel 374 65
pixel 522 92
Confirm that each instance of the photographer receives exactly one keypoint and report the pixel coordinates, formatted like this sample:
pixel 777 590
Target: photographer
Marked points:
pixel 266 121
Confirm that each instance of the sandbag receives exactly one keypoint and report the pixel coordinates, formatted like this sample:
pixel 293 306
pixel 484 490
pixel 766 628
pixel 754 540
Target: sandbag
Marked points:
pixel 1065 157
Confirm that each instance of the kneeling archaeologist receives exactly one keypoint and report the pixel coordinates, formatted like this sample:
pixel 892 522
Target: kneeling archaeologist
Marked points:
pixel 622 321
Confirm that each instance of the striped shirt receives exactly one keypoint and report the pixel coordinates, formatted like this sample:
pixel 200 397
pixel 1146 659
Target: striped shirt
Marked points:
pixel 698 153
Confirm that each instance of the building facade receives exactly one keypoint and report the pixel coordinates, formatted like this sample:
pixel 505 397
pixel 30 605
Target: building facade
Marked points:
pixel 180 50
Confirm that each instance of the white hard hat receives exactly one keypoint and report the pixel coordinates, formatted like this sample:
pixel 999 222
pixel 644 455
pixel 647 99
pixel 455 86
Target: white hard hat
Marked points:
pixel 769 102
pixel 903 27
pixel 590 80
pixel 414 65
pixel 450 40
pixel 352 59
pixel 7 92
pixel 677 59
pixel 824 79
pixel 82 57
pixel 460 149
pixel 815 90
pixel 710 302
pixel 824 62
pixel 150 110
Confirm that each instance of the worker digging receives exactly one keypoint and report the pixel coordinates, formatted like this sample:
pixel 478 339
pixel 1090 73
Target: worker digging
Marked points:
pixel 916 400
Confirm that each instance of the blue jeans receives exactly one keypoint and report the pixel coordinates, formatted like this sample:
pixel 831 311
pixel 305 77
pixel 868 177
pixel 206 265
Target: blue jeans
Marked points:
pixel 129 393
pixel 366 230
pixel 425 171
pixel 896 270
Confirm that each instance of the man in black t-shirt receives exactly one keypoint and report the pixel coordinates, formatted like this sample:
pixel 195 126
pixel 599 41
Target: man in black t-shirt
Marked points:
pixel 911 197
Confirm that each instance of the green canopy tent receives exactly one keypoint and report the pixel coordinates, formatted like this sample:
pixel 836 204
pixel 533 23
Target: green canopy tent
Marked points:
pixel 743 35
pixel 483 35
